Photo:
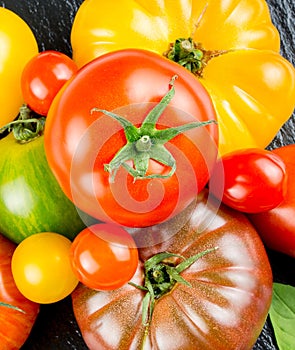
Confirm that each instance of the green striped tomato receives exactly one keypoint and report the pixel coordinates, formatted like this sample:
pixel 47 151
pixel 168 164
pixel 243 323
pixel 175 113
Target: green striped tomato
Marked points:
pixel 31 200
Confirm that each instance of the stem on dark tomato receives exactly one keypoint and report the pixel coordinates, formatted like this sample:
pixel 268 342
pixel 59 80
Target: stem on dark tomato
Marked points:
pixel 161 275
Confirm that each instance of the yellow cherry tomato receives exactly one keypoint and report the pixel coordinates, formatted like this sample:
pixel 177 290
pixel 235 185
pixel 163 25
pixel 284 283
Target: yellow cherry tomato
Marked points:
pixel 252 86
pixel 17 46
pixel 41 268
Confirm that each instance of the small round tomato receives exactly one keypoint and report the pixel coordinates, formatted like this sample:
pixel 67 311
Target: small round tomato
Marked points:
pixel 277 226
pixel 255 180
pixel 41 268
pixel 104 256
pixel 42 78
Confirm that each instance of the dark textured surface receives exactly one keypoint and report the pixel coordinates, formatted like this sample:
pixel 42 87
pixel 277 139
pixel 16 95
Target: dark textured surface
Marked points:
pixel 51 21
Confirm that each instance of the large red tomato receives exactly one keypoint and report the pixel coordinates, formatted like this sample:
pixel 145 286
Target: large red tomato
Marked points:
pixel 16 324
pixel 223 308
pixel 277 226
pixel 125 168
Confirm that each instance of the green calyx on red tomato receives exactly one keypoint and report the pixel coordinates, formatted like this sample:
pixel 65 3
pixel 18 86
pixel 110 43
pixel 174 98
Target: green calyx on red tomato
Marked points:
pixel 147 142
pixel 135 87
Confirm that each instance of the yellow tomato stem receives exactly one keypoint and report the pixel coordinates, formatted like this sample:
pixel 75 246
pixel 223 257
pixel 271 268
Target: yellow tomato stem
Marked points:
pixel 190 55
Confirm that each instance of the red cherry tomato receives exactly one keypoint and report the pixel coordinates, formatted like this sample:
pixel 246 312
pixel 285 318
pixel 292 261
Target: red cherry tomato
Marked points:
pixel 277 226
pixel 104 256
pixel 43 77
pixel 255 180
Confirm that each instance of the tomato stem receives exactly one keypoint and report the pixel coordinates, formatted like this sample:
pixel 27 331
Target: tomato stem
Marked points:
pixel 160 277
pixel 147 142
pixel 190 55
pixel 26 128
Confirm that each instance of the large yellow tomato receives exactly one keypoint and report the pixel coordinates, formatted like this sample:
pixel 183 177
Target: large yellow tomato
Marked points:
pixel 17 46
pixel 235 44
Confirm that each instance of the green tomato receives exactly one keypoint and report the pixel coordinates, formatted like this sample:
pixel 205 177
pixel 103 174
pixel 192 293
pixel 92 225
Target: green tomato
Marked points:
pixel 31 200
pixel 41 268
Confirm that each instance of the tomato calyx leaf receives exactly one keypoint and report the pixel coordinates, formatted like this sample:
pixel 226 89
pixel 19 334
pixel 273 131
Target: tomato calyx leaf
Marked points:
pixel 161 275
pixel 26 127
pixel 11 307
pixel 190 55
pixel 147 142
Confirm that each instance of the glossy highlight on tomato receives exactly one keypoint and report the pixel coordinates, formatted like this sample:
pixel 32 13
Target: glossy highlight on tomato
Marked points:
pixel 104 256
pixel 277 226
pixel 255 180
pixel 42 78
pixel 81 141
pixel 41 268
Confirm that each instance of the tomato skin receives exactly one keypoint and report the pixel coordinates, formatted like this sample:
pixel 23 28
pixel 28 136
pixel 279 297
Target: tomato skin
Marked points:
pixel 41 267
pixel 255 180
pixel 104 257
pixel 31 200
pixel 231 288
pixel 78 143
pixel 276 227
pixel 245 46
pixel 15 325
pixel 16 51
pixel 42 78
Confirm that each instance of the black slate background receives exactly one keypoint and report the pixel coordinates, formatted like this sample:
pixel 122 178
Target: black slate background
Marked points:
pixel 51 21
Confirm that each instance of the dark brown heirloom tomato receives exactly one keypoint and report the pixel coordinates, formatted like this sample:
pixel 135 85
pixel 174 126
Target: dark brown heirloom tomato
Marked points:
pixel 15 325
pixel 224 308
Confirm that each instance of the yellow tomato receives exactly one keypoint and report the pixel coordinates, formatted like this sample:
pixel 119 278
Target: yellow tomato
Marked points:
pixel 41 267
pixel 252 86
pixel 17 46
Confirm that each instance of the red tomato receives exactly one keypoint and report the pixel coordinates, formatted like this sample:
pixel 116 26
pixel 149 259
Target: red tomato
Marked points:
pixel 255 180
pixel 104 256
pixel 277 226
pixel 224 307
pixel 15 325
pixel 42 78
pixel 82 144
